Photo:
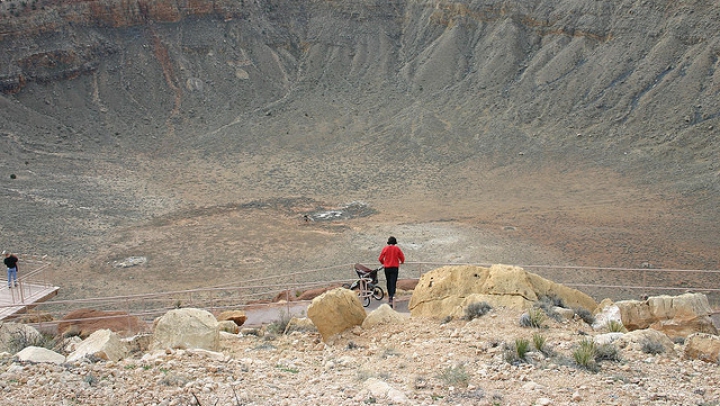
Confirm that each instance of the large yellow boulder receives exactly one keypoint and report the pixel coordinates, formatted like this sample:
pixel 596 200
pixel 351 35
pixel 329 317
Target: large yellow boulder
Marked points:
pixel 335 311
pixel 446 291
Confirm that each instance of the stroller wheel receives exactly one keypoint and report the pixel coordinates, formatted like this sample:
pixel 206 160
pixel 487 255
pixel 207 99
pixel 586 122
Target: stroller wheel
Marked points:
pixel 366 301
pixel 378 293
pixel 346 285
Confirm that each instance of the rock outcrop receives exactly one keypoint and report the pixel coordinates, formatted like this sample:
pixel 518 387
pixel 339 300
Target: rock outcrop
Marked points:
pixel 335 311
pixel 384 315
pixel 705 347
pixel 676 316
pixel 186 329
pixel 236 316
pixel 103 345
pixel 448 290
pixel 40 354
pixel 645 341
pixel 83 322
pixel 14 335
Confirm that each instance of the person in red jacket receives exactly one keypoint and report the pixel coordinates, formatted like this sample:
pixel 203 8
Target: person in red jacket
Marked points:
pixel 391 257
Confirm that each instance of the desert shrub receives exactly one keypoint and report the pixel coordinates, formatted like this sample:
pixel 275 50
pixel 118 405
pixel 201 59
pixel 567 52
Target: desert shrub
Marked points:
pixel 652 347
pixel 516 352
pixel 389 352
pixel 548 304
pixel 90 379
pixel 446 320
pixel 539 342
pixel 584 355
pixel 21 339
pixel 606 352
pixel 280 325
pixel 522 347
pixel 551 301
pixel 173 380
pixel 455 376
pixel 615 326
pixel 533 318
pixel 363 375
pixel 586 315
pixel 476 310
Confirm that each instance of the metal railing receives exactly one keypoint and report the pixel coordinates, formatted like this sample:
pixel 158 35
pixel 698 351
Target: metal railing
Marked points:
pixel 597 282
pixel 30 282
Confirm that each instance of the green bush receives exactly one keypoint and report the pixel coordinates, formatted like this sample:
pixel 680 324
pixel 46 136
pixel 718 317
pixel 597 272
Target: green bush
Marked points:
pixel 522 347
pixel 584 355
pixel 539 342
pixel 516 352
pixel 615 326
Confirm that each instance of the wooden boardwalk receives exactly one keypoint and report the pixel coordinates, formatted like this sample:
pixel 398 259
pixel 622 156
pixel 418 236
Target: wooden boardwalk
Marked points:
pixel 16 301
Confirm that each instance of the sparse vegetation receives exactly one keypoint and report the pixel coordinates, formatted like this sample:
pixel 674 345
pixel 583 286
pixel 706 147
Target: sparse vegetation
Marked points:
pixel 584 355
pixel 288 369
pixel 535 317
pixel 363 375
pixel 516 352
pixel 389 352
pixel 173 380
pixel 23 338
pixel 90 379
pixel 615 326
pixel 279 326
pixel 455 376
pixel 652 347
pixel 522 347
pixel 539 342
pixel 548 303
pixel 586 315
pixel 606 352
pixel 476 310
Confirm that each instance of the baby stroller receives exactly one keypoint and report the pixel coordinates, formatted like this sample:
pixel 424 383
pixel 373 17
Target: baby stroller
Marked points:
pixel 366 284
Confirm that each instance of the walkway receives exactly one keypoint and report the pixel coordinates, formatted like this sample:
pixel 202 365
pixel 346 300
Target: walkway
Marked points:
pixel 269 314
pixel 18 300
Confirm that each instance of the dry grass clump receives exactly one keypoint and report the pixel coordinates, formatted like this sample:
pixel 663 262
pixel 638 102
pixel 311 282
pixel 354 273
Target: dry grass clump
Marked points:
pixel 476 310
pixel 517 352
pixel 535 318
pixel 588 354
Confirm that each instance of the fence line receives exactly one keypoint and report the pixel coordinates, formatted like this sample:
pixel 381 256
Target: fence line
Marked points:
pixel 257 292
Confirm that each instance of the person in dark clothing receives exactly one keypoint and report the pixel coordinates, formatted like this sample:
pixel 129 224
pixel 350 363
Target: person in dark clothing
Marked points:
pixel 10 262
pixel 391 257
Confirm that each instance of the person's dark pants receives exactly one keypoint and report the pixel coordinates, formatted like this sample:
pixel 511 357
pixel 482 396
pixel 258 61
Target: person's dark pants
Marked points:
pixel 391 274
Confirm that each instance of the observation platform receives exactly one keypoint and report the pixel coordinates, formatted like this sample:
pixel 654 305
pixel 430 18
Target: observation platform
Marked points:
pixel 18 300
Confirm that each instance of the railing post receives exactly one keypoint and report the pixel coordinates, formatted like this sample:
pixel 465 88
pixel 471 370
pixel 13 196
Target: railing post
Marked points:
pixel 129 325
pixel 287 300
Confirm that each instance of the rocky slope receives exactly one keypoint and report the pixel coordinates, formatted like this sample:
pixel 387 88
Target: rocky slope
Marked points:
pixel 590 127
pixel 420 362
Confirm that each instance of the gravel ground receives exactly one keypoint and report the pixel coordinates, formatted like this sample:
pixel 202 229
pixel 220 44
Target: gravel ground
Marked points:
pixel 421 362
